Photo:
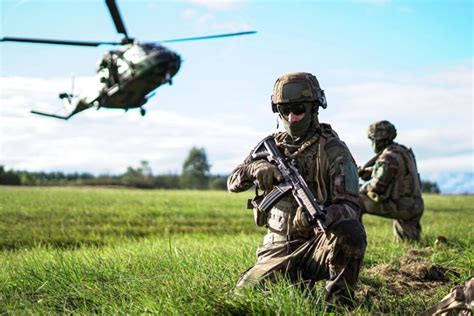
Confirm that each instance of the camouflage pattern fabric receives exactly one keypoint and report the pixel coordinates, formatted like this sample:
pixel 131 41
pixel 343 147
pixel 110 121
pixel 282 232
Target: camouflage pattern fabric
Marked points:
pixel 460 301
pixel 406 213
pixel 382 130
pixel 301 252
pixel 295 87
pixel 394 191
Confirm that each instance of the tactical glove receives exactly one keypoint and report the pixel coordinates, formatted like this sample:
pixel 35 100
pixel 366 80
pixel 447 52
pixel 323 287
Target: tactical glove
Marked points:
pixel 365 173
pixel 264 173
pixel 300 221
pixel 364 188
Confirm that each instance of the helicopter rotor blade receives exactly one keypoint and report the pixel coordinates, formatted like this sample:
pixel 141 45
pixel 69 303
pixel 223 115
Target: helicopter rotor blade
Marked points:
pixel 56 42
pixel 114 11
pixel 207 37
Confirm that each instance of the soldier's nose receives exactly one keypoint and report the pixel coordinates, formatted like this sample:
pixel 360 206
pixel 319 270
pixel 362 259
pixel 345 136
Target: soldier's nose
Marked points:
pixel 293 118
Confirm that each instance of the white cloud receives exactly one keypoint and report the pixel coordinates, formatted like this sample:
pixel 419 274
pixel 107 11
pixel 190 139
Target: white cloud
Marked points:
pixel 198 18
pixel 109 140
pixel 456 163
pixel 233 26
pixel 431 110
pixel 189 13
pixel 205 20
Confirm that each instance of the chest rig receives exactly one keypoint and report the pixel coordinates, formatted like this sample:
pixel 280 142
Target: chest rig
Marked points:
pixel 308 157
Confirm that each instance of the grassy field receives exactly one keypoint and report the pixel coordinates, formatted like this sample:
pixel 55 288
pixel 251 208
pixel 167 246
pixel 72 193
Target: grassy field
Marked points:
pixel 109 251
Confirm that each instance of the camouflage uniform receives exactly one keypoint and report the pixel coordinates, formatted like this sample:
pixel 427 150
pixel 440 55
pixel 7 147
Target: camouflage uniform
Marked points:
pixel 292 246
pixel 394 189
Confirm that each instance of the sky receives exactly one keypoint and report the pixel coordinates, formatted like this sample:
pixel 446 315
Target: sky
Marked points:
pixel 409 62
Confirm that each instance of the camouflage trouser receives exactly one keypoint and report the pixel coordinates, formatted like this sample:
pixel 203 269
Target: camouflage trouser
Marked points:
pixel 335 256
pixel 406 212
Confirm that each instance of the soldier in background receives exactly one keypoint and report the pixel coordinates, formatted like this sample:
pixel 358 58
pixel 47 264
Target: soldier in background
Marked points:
pixel 292 246
pixel 108 68
pixel 393 189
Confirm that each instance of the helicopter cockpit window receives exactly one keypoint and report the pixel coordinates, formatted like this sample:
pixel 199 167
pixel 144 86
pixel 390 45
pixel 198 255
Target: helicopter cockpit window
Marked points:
pixel 150 47
pixel 135 54
pixel 122 66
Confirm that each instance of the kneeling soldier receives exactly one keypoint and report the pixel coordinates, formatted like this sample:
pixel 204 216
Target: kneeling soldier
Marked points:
pixel 293 246
pixel 393 189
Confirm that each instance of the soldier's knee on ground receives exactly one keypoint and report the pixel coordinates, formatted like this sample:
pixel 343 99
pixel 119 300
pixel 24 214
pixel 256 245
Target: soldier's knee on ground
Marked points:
pixel 350 237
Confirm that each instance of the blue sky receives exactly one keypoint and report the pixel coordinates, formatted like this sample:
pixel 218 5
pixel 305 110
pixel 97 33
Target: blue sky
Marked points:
pixel 406 61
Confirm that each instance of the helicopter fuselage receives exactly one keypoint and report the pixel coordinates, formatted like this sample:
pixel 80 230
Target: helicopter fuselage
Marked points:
pixel 130 73
pixel 125 76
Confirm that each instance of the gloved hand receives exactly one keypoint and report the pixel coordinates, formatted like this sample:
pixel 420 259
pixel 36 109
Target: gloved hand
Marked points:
pixel 300 221
pixel 365 173
pixel 364 188
pixel 264 173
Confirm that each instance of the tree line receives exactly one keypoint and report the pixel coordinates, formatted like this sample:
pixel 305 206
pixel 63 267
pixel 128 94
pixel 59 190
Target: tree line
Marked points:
pixel 195 174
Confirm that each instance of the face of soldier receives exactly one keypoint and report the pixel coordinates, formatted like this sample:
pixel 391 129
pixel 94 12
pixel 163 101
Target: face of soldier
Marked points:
pixel 291 108
pixel 378 145
pixel 293 118
pixel 296 118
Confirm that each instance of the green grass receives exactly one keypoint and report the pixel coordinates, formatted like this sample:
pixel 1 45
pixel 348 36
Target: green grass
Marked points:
pixel 117 251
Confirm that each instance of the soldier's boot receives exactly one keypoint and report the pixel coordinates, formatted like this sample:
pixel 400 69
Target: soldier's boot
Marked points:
pixel 406 226
pixel 339 300
pixel 341 285
pixel 406 230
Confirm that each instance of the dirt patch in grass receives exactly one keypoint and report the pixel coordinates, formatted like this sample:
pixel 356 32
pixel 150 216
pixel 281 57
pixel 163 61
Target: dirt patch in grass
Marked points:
pixel 412 274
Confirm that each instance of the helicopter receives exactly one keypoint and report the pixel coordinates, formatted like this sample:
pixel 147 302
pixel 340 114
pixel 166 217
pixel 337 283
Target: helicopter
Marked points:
pixel 126 77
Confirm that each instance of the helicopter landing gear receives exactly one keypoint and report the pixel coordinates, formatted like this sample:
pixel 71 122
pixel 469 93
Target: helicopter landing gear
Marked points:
pixel 168 79
pixel 142 111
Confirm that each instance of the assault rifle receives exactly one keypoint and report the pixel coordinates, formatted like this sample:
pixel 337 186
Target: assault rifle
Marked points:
pixel 292 181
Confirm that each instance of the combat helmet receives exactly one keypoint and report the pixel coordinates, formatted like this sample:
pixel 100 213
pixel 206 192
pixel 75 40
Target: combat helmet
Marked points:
pixel 382 130
pixel 297 87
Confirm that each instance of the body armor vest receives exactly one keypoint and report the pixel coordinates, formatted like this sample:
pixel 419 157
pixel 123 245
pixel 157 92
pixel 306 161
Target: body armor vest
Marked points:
pixel 407 179
pixel 312 164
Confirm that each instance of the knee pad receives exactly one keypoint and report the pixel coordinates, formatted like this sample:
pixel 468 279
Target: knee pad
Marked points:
pixel 350 237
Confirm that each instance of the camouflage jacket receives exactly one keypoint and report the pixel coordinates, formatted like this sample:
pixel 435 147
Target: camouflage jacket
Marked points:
pixel 395 174
pixel 328 168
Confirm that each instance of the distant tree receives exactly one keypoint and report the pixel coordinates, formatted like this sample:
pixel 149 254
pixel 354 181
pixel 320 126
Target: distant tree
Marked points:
pixel 167 181
pixel 430 187
pixel 218 183
pixel 9 177
pixel 146 169
pixel 195 173
pixel 139 177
